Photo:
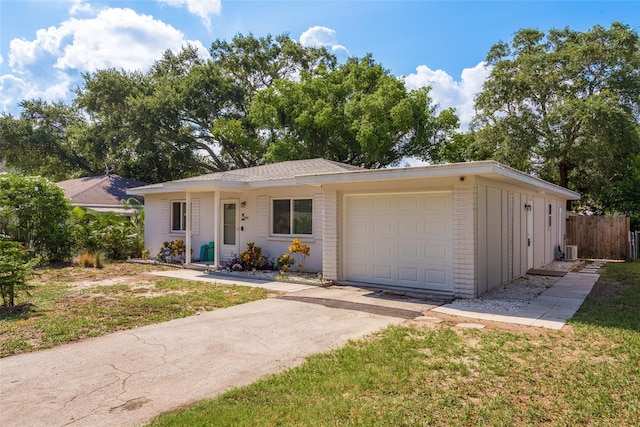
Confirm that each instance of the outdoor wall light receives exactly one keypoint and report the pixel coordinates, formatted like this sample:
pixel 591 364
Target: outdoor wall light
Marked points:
pixel 527 206
pixel 243 204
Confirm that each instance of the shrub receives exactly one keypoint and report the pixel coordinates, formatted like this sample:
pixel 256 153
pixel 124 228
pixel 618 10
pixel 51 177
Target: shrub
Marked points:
pixel 252 257
pixel 285 261
pixel 15 270
pixel 32 212
pixel 300 251
pixel 97 260
pixel 87 260
pixel 172 251
pixel 116 236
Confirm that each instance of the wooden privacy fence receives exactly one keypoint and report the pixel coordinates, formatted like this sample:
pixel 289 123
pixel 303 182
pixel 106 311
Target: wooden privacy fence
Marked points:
pixel 600 237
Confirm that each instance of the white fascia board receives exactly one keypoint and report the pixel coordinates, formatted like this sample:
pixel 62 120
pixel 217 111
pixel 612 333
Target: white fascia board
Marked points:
pixel 488 168
pixel 272 183
pixel 446 170
pixel 541 184
pixel 173 187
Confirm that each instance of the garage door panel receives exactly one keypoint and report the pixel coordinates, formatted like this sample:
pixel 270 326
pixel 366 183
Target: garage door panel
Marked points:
pixel 382 203
pixel 400 240
pixel 438 252
pixel 408 274
pixel 409 250
pixel 382 272
pixel 383 248
pixel 383 227
pixel 409 203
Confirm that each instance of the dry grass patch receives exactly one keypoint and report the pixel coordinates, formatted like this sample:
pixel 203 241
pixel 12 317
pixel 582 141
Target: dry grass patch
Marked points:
pixel 72 303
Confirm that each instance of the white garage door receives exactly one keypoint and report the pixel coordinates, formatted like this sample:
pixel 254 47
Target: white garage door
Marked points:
pixel 400 240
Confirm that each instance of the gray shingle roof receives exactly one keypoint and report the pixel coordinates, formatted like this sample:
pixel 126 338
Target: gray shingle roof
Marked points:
pixel 106 190
pixel 275 171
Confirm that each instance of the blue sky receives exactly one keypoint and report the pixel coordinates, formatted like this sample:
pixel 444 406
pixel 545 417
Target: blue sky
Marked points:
pixel 45 45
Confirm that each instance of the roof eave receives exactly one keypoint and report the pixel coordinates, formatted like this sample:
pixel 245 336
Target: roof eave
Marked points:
pixel 488 168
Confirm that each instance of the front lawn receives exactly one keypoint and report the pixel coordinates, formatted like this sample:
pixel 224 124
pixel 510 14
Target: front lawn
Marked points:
pixel 71 303
pixel 586 374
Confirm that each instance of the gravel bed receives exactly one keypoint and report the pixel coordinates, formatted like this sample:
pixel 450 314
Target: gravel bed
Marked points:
pixel 516 295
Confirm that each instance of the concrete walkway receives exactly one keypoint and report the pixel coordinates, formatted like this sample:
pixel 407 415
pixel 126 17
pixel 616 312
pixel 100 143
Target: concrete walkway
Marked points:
pixel 223 279
pixel 549 310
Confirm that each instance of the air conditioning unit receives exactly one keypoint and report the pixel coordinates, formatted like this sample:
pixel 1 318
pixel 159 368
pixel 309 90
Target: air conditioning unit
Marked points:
pixel 571 253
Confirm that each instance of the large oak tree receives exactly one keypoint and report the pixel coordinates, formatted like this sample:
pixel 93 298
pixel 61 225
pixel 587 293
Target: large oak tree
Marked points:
pixel 563 105
pixel 357 113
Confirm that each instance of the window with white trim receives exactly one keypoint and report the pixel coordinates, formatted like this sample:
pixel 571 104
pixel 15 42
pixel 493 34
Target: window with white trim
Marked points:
pixel 178 216
pixel 292 216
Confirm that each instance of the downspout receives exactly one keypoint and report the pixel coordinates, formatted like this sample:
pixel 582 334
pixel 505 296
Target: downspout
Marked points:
pixel 187 243
pixel 216 230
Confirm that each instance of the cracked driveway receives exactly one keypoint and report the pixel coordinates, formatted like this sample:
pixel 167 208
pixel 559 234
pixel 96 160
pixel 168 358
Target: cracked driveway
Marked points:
pixel 129 377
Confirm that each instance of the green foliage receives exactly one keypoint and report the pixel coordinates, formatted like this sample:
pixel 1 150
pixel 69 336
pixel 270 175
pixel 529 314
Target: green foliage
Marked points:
pixel 16 268
pixel 49 139
pixel 300 251
pixel 172 251
pixel 565 106
pixel 33 211
pixel 252 257
pixel 284 262
pixel 357 113
pixel 114 235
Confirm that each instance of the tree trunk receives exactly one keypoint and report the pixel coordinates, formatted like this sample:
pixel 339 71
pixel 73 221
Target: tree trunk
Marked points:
pixel 564 180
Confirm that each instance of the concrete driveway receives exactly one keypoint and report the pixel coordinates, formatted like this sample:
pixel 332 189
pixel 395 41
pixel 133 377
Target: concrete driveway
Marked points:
pixel 129 377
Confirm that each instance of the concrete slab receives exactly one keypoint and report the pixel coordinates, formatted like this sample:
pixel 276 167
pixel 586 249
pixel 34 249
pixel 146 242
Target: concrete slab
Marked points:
pixel 550 309
pixel 188 274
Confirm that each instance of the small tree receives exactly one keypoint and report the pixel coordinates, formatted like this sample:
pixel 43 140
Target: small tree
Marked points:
pixel 33 211
pixel 15 270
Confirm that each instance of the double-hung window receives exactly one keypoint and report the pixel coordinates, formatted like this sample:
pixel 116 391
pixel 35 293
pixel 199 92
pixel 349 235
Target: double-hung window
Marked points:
pixel 292 217
pixel 178 216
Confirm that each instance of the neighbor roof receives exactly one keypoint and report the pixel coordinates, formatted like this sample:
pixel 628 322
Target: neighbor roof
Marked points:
pixel 104 193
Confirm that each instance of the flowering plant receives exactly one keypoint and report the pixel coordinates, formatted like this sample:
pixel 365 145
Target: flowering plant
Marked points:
pixel 300 251
pixel 252 257
pixel 169 250
pixel 284 262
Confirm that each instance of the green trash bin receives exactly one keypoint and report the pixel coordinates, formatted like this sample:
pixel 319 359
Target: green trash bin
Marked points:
pixel 210 251
pixel 204 253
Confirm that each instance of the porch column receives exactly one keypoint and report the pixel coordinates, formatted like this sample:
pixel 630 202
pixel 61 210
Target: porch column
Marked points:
pixel 187 242
pixel 216 230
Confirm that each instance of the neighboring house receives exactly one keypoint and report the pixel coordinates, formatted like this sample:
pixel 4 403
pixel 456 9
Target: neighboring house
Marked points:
pixel 105 193
pixel 458 229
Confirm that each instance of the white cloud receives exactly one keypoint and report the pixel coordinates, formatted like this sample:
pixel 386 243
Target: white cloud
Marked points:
pixel 118 38
pixel 202 8
pixel 80 6
pixel 322 36
pixel 50 64
pixel 448 92
pixel 14 89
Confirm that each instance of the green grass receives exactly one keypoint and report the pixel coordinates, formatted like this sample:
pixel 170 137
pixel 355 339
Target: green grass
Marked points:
pixel 58 312
pixel 586 374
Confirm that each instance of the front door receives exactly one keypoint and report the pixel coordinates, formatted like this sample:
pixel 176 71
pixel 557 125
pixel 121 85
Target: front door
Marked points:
pixel 229 230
